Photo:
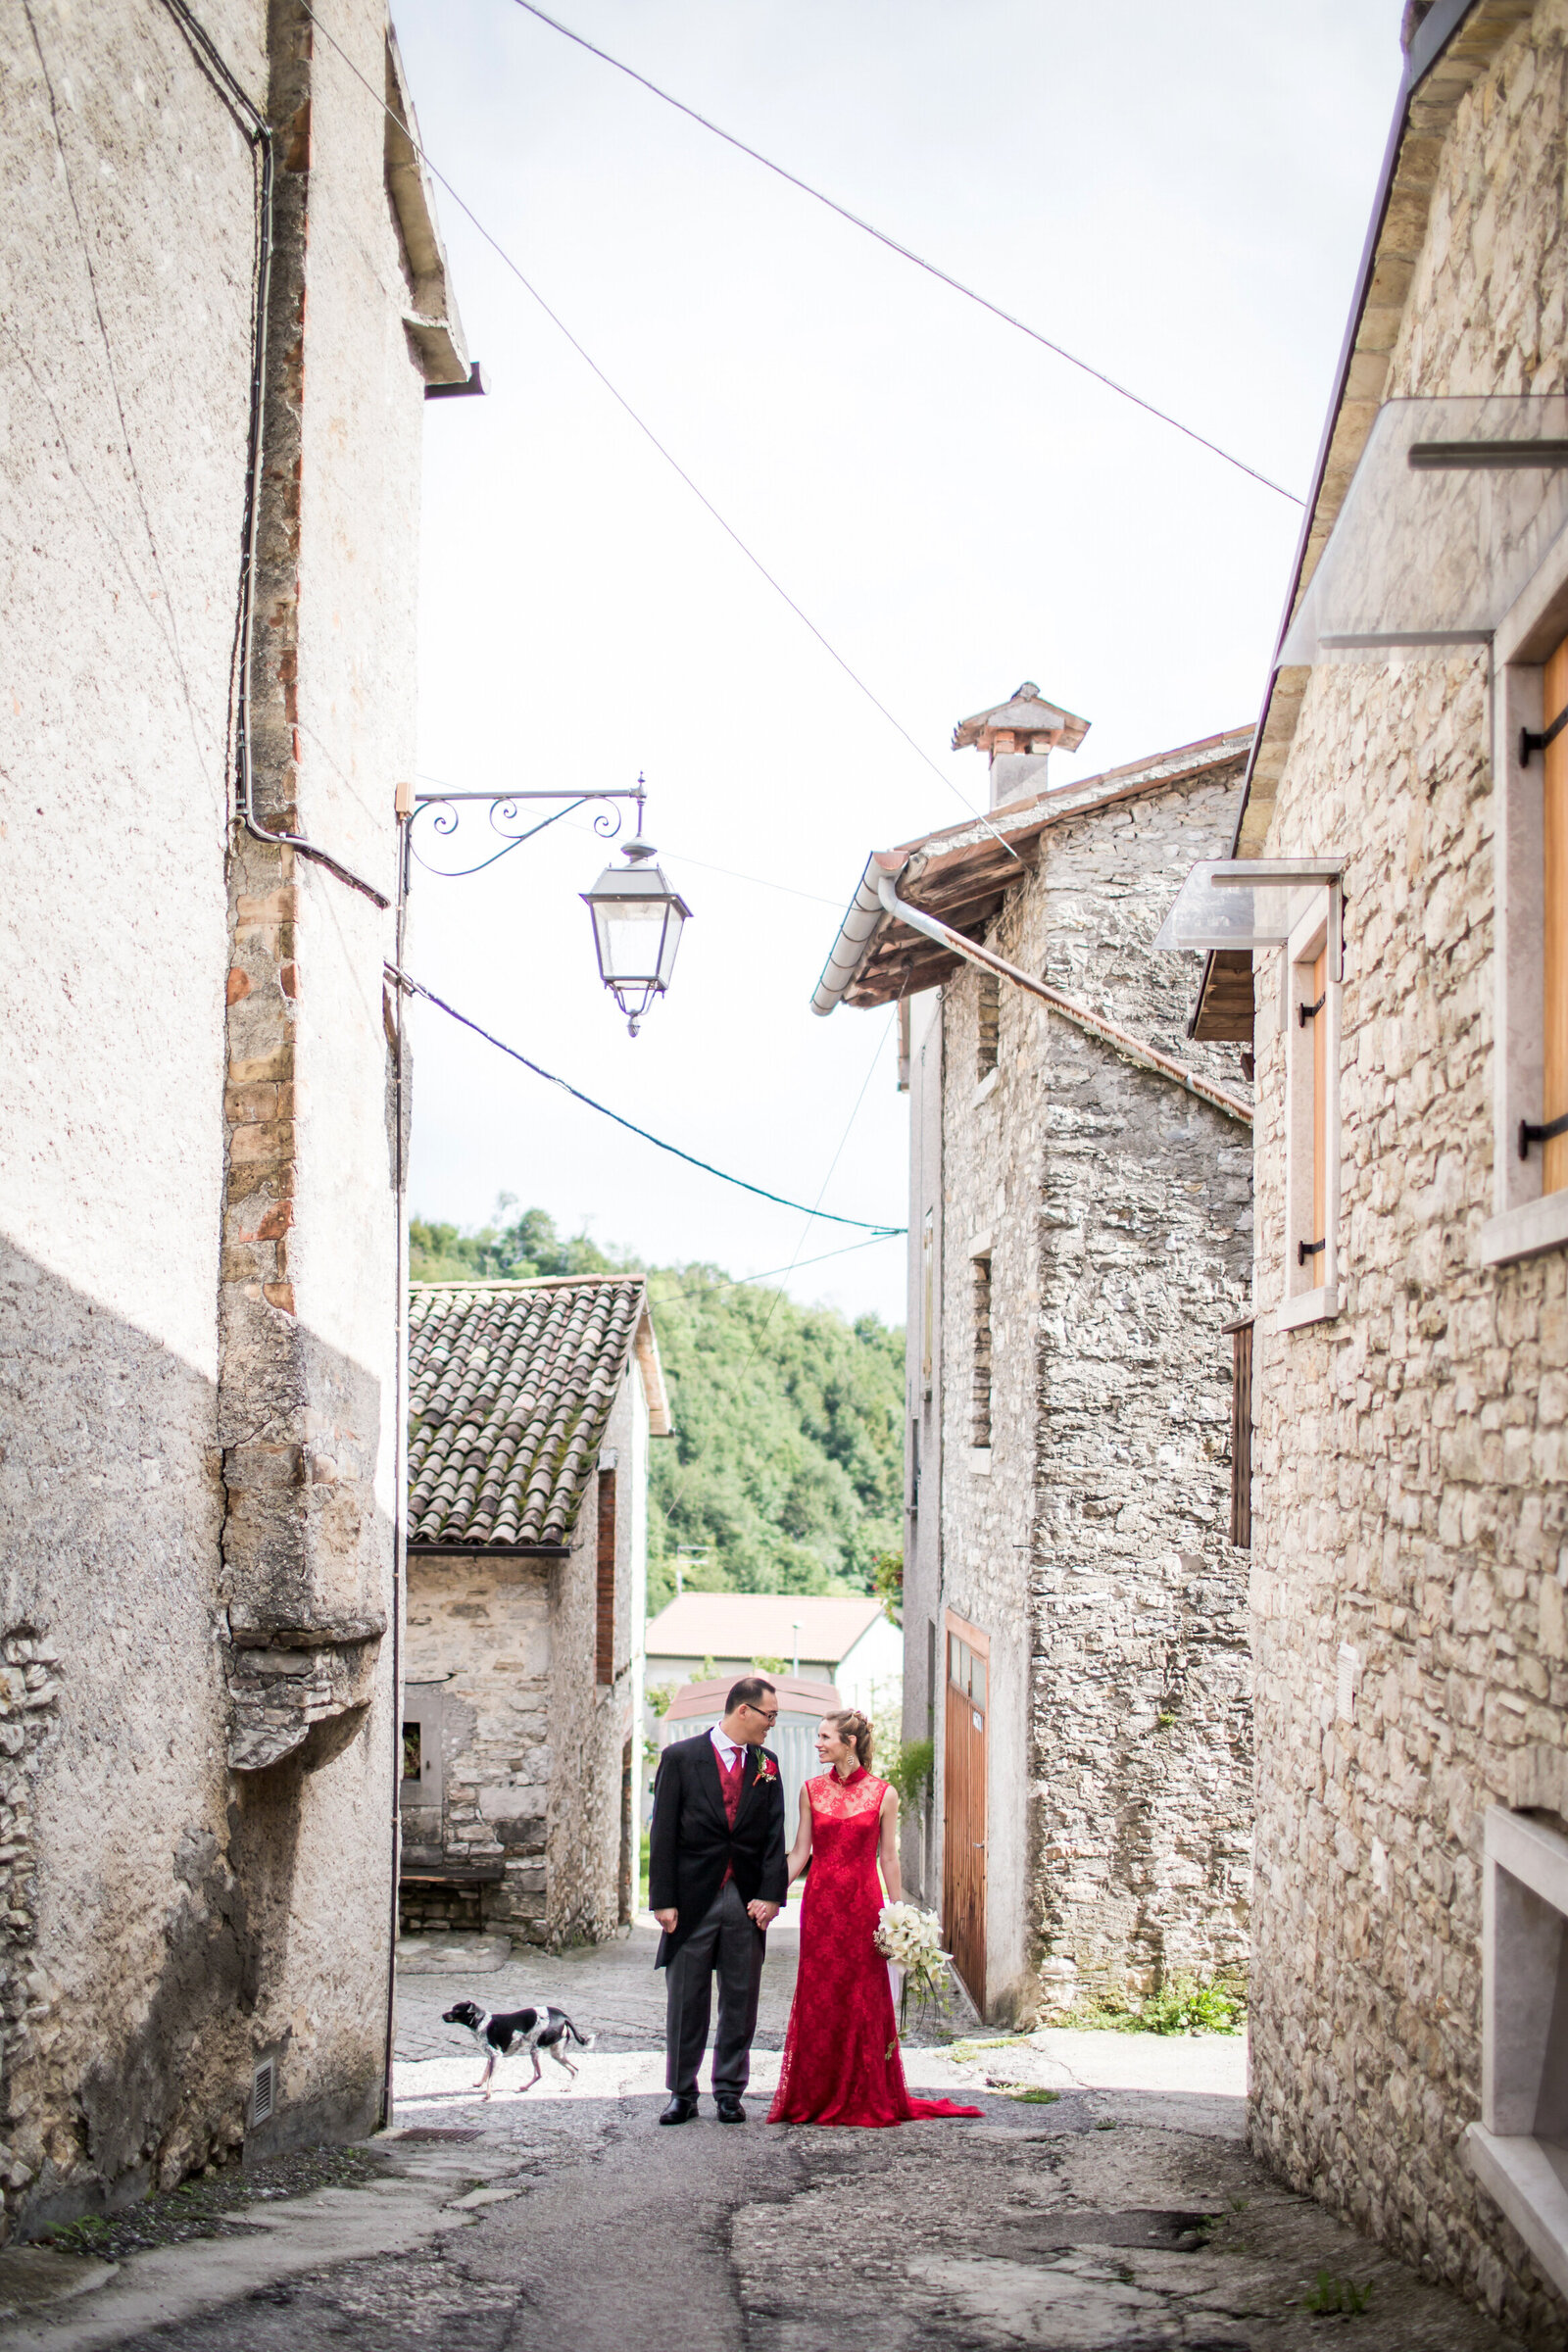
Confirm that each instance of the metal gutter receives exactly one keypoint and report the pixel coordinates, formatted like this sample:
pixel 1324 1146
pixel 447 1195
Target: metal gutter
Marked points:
pixel 864 920
pixel 859 927
pixel 1131 1049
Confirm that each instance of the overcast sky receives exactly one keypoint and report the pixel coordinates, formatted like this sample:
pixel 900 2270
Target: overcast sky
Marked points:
pixel 1178 195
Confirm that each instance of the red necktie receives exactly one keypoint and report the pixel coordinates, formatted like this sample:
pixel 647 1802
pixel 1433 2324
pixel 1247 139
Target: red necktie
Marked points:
pixel 729 1780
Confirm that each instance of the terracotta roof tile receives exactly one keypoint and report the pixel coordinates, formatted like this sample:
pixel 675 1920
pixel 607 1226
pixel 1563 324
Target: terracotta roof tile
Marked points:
pixel 510 1388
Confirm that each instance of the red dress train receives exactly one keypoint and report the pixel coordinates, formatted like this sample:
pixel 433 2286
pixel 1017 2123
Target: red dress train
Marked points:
pixel 841 2054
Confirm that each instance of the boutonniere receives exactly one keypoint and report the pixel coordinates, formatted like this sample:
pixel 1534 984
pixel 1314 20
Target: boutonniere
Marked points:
pixel 767 1770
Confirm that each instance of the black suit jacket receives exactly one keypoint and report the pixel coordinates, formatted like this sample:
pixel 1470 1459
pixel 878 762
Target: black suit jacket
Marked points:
pixel 691 1844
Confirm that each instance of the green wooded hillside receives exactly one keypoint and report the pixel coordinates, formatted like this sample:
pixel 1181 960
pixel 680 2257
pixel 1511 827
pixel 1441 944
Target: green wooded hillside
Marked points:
pixel 786 1471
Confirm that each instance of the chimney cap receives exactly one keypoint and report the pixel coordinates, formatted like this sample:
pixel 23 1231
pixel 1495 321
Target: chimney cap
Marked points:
pixel 1026 712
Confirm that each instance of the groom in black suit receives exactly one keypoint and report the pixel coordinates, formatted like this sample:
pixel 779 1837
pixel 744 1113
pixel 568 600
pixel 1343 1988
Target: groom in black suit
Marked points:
pixel 717 1877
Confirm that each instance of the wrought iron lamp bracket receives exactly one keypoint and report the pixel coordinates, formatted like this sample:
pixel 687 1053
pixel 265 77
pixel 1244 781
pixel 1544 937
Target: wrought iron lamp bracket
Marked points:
pixel 505 808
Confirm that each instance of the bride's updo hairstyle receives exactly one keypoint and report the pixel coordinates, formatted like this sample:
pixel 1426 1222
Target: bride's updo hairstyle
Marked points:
pixel 851 1725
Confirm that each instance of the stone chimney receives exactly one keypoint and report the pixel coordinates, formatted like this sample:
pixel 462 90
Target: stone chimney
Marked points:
pixel 1020 736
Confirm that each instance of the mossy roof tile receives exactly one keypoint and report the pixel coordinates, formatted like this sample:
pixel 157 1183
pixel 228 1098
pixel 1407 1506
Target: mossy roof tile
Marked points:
pixel 510 1389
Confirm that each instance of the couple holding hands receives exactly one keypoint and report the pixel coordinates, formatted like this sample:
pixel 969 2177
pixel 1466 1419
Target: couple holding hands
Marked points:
pixel 719 1875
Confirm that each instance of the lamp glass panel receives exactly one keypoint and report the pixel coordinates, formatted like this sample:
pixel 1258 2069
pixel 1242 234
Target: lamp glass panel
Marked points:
pixel 671 941
pixel 631 933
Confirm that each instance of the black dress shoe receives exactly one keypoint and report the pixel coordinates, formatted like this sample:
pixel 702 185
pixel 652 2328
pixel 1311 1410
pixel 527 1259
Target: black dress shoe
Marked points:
pixel 680 2111
pixel 730 2110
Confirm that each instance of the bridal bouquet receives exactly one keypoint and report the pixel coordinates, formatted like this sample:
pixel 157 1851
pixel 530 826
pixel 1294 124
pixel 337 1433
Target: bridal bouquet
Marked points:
pixel 911 1938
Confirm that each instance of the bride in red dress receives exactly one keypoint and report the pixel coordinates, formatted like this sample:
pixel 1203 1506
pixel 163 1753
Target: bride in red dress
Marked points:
pixel 841 2054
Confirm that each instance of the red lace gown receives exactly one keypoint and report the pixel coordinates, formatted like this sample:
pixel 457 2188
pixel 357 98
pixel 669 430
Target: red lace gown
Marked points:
pixel 841 2054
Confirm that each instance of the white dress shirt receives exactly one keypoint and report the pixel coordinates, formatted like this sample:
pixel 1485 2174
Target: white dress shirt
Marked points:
pixel 728 1748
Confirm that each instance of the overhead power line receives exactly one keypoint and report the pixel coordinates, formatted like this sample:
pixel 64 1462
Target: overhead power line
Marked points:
pixel 647 431
pixel 706 1289
pixel 904 251
pixel 826 1216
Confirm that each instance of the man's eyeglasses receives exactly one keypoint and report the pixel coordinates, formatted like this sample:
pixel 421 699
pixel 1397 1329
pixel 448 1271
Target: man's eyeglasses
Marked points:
pixel 768 1716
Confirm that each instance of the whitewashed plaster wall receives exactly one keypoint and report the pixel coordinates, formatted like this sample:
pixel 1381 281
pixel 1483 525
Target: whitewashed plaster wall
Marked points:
pixel 170 1922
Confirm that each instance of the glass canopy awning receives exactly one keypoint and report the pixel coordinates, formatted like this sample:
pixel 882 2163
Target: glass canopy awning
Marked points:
pixel 1450 510
pixel 1245 902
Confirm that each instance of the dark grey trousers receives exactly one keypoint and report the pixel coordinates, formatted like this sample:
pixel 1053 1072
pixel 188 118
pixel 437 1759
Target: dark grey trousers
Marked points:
pixel 730 1941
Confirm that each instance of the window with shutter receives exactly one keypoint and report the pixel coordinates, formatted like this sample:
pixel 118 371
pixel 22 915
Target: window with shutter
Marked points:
pixel 980 1396
pixel 1554 929
pixel 605 1628
pixel 1310 1012
pixel 1530 865
pixel 990 1029
pixel 1241 1435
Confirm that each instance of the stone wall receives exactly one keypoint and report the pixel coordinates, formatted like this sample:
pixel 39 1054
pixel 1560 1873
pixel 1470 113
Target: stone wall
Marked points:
pixel 1410 1477
pixel 533 1746
pixel 481 1627
pixel 1092 1546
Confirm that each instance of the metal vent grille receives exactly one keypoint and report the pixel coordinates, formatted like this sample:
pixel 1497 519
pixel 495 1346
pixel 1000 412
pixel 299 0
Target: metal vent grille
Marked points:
pixel 264 2090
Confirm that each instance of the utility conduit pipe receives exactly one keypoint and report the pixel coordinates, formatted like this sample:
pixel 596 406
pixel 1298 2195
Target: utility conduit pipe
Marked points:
pixel 259 132
pixel 1132 1048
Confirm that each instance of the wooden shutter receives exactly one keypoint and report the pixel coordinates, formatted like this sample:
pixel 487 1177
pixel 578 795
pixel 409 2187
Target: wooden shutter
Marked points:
pixel 605 1632
pixel 1555 928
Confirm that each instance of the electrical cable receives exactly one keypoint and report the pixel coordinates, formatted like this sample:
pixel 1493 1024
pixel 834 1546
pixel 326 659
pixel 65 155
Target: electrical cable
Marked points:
pixel 826 1216
pixel 758 881
pixel 706 1289
pixel 648 434
pixel 904 251
pixel 761 1329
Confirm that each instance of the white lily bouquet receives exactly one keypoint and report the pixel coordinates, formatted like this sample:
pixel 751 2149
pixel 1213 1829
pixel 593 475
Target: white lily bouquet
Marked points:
pixel 911 1938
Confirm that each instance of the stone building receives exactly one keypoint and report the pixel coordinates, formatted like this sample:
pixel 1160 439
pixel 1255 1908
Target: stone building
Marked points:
pixel 199 1209
pixel 1399 972
pixel 530 1408
pixel 1080 1237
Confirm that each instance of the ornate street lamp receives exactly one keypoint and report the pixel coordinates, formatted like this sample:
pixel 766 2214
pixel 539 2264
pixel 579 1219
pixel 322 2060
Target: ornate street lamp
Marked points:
pixel 637 917
pixel 637 926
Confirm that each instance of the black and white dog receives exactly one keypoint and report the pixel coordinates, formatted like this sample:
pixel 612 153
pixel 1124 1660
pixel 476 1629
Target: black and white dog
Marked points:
pixel 531 2029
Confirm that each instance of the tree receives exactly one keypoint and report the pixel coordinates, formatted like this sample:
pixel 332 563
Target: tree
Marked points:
pixel 497 1252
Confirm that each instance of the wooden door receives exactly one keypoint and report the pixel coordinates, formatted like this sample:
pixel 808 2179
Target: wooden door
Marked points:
pixel 963 1820
pixel 1554 927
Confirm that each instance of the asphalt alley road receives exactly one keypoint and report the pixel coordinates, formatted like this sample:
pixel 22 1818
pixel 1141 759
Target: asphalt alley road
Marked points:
pixel 1111 2209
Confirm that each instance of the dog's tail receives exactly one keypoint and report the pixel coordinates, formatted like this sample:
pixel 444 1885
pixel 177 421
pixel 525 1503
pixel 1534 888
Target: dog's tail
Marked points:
pixel 587 2040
